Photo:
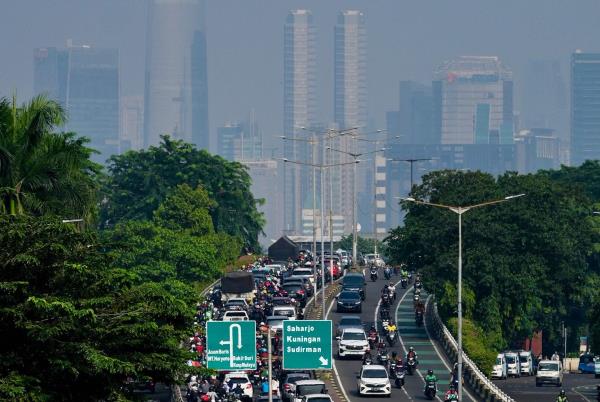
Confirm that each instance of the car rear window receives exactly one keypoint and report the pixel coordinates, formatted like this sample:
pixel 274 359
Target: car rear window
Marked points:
pixel 351 321
pixel 292 380
pixel 237 380
pixel 548 367
pixel 310 389
pixel 354 280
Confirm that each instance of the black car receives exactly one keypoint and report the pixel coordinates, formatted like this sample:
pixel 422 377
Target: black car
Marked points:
pixel 354 281
pixel 349 300
pixel 296 291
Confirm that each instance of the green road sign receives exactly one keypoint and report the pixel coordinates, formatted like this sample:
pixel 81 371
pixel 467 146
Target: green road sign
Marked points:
pixel 231 345
pixel 307 344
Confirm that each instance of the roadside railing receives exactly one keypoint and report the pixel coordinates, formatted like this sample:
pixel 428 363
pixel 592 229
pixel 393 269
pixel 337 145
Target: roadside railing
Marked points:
pixel 478 381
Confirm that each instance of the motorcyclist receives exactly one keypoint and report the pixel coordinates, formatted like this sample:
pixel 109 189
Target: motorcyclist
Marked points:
pixel 384 314
pixel 430 377
pixel 392 290
pixel 412 353
pixel 397 358
pixel 373 337
pixel 451 394
pixel 562 397
pixel 367 358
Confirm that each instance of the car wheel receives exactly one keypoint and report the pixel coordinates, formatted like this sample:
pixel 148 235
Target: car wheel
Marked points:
pixel 596 375
pixel 537 384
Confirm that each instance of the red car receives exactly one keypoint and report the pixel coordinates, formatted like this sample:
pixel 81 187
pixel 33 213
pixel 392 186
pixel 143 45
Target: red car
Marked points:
pixel 336 272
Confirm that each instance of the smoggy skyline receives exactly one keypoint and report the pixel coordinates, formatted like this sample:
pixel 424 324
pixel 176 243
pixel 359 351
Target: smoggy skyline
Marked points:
pixel 406 40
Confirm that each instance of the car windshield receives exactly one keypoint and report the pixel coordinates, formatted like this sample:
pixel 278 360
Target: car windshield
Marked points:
pixel 292 287
pixel 310 389
pixel 378 373
pixel 235 303
pixel 548 367
pixel 275 323
pixel 523 359
pixel 510 359
pixel 302 272
pixel 235 313
pixel 354 280
pixel 237 380
pixel 353 336
pixel 351 321
pixel 283 311
pixel 498 360
pixel 349 296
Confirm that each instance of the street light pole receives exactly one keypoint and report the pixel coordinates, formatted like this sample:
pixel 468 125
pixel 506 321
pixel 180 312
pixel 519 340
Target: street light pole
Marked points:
pixel 460 211
pixel 411 161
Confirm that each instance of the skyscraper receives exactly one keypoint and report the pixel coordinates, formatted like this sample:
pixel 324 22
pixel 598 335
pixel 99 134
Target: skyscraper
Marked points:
pixel 473 101
pixel 350 102
pixel 85 80
pixel 350 65
pixel 585 107
pixel 240 142
pixel 176 98
pixel 299 107
pixel 132 123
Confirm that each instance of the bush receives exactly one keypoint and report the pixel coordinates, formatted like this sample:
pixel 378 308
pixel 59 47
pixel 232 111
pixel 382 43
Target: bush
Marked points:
pixel 475 344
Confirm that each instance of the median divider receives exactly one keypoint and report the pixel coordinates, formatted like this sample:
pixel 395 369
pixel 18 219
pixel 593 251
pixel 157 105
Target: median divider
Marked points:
pixel 485 389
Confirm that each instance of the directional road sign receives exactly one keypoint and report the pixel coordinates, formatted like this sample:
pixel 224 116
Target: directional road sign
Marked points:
pixel 307 344
pixel 231 345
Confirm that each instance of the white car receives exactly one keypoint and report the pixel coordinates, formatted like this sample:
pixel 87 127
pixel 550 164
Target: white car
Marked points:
pixel 316 398
pixel 287 311
pixel 241 379
pixel 305 273
pixel 374 380
pixel 549 371
pixel 352 342
pixel 235 316
pixel 513 367
pixel 308 387
pixel 499 368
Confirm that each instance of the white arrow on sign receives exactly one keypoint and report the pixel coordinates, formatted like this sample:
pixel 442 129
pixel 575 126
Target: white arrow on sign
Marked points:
pixel 230 341
pixel 323 361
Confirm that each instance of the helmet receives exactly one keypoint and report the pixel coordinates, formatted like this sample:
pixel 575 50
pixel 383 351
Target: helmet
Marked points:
pixel 372 327
pixel 562 392
pixel 411 349
pixel 394 354
pixel 391 283
pixel 430 372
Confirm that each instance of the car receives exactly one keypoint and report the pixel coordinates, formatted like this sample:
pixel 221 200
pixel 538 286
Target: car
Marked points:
pixel 239 378
pixel 296 291
pixel 304 281
pixel 305 272
pixel 513 367
pixel 282 301
pixel 336 272
pixel 288 386
pixel 236 303
pixel 288 311
pixel 352 342
pixel 374 380
pixel 348 300
pixel 349 321
pixel 234 315
pixel 526 363
pixel 308 387
pixel 316 398
pixel 586 364
pixel 354 281
pixel 499 368
pixel 276 321
pixel 549 371
pixel 375 259
pixel 597 367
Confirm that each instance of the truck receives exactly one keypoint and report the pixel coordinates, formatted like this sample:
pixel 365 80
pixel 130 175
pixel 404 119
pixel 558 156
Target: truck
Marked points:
pixel 238 284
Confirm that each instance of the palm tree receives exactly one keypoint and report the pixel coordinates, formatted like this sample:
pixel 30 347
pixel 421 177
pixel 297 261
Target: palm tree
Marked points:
pixel 42 171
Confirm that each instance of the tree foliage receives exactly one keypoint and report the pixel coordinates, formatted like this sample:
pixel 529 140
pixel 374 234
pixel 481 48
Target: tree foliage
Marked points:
pixel 526 261
pixel 42 171
pixel 73 326
pixel 363 245
pixel 141 180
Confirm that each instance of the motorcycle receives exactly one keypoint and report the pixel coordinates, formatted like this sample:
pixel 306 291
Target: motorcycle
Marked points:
pixel 382 357
pixel 411 365
pixel 416 298
pixel 399 374
pixel 450 396
pixel 367 361
pixel 372 340
pixel 385 299
pixel 419 318
pixel 387 272
pixel 430 390
pixel 373 274
pixel 391 337
pixel 404 283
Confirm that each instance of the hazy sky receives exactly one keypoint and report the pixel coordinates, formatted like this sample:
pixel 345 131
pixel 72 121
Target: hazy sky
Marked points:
pixel 406 40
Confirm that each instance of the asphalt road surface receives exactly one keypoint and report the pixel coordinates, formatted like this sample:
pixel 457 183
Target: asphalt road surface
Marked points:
pixel 410 335
pixel 579 388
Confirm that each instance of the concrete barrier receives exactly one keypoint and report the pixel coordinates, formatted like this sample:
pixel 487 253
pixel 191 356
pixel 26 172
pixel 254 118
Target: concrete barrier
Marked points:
pixel 478 382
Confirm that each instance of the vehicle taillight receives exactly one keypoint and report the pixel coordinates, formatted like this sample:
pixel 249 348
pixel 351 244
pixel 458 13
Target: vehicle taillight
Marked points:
pixel 248 386
pixel 286 386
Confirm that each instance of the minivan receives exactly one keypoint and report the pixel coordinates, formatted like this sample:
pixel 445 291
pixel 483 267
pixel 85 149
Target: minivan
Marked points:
pixel 499 368
pixel 526 361
pixel 513 368
pixel 549 372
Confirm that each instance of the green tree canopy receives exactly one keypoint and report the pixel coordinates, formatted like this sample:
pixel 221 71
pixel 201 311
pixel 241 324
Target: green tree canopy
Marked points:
pixel 141 180
pixel 42 171
pixel 524 260
pixel 72 326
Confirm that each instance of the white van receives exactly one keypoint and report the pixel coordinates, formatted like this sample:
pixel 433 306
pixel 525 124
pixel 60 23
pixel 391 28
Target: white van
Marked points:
pixel 499 368
pixel 513 368
pixel 526 362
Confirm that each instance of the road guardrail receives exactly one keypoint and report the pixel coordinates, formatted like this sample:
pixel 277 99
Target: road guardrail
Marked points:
pixel 479 382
